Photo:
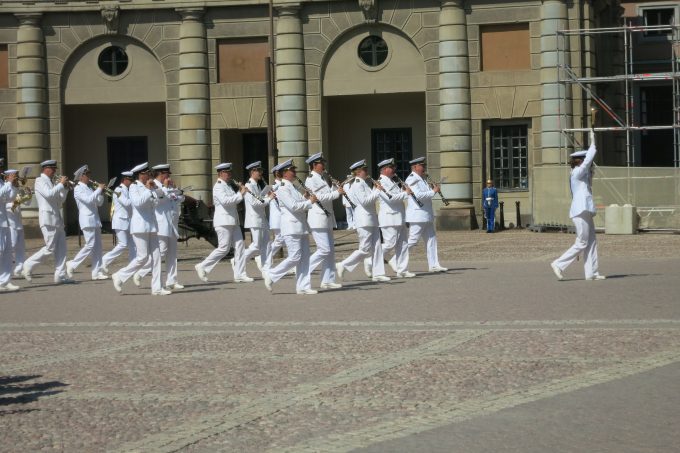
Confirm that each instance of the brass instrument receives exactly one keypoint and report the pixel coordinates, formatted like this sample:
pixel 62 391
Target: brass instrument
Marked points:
pixel 108 191
pixel 69 184
pixel 339 184
pixel 25 193
pixel 402 184
pixel 308 193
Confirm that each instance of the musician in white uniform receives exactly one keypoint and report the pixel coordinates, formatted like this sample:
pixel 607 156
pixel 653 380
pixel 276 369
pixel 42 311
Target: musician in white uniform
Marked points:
pixel 349 209
pixel 144 229
pixel 295 231
pixel 420 217
pixel 582 212
pixel 168 232
pixel 226 196
pixel 321 220
pixel 8 193
pixel 50 197
pixel 120 222
pixel 16 226
pixel 391 215
pixel 366 222
pixel 274 221
pixel 88 200
pixel 256 198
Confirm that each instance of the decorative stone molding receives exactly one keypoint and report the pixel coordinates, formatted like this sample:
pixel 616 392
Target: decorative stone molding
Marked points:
pixel 110 17
pixel 191 14
pixel 370 9
pixel 289 9
pixel 32 19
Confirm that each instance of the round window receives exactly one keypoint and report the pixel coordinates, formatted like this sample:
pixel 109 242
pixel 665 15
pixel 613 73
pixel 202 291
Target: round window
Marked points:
pixel 373 50
pixel 113 61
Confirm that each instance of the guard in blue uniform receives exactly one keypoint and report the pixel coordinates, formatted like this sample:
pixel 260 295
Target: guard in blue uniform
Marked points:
pixel 490 204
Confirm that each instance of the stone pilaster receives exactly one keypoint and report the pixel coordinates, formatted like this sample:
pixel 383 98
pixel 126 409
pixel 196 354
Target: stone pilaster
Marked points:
pixel 31 93
pixel 291 124
pixel 555 112
pixel 194 159
pixel 454 98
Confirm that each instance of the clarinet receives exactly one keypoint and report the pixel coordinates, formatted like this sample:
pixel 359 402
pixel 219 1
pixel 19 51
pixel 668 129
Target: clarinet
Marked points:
pixel 341 184
pixel 318 203
pixel 402 184
pixel 381 188
pixel 432 183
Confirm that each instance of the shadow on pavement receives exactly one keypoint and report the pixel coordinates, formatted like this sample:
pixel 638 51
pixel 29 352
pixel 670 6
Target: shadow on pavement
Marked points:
pixel 16 390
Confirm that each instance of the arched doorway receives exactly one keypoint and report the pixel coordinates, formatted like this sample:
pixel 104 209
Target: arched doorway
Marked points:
pixel 113 110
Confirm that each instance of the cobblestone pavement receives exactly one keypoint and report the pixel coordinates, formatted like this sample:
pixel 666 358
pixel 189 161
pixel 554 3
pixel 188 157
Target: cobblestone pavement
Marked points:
pixel 495 355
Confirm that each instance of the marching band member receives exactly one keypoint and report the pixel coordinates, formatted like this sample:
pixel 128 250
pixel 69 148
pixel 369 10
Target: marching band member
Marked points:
pixel 144 230
pixel 366 222
pixel 16 226
pixel 295 231
pixel 50 197
pixel 120 222
pixel 8 193
pixel 391 216
pixel 168 231
pixel 256 198
pixel 88 200
pixel 349 210
pixel 489 204
pixel 322 221
pixel 582 212
pixel 274 222
pixel 420 216
pixel 226 196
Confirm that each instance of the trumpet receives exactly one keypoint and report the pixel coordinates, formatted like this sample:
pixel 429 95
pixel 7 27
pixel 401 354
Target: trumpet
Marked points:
pixel 432 184
pixel 308 193
pixel 106 190
pixel 68 184
pixel 339 184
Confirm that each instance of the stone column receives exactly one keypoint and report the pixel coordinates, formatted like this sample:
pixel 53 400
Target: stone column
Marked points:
pixel 31 94
pixel 454 100
pixel 455 127
pixel 553 18
pixel 291 124
pixel 194 159
pixel 32 125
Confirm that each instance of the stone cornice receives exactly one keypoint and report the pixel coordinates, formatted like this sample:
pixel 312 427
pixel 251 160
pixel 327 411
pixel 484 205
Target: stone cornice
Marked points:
pixel 195 14
pixel 32 19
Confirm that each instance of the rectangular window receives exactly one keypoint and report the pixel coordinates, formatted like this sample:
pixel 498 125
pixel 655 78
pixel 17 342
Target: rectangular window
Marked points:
pixel 4 66
pixel 396 143
pixel 509 157
pixel 505 47
pixel 242 60
pixel 658 16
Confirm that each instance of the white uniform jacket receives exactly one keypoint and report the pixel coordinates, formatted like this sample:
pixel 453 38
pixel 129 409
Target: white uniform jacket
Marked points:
pixel 7 195
pixel 345 202
pixel 50 198
pixel 365 214
pixel 294 209
pixel 143 208
pixel 275 209
pixel 88 202
pixel 225 200
pixel 421 189
pixel 15 219
pixel 581 181
pixel 319 187
pixel 256 211
pixel 392 210
pixel 165 211
pixel 122 209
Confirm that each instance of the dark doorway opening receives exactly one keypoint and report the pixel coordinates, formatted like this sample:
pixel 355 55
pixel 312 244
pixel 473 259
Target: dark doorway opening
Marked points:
pixel 254 149
pixel 396 143
pixel 123 153
pixel 656 109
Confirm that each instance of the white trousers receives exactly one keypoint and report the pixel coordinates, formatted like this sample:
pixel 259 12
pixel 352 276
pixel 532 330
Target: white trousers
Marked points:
pixel 369 247
pixel 146 245
pixel 55 243
pixel 168 249
pixel 585 243
pixel 226 236
pixel 5 255
pixel 19 248
pixel 273 248
pixel 258 245
pixel 324 254
pixel 426 231
pixel 349 213
pixel 298 258
pixel 92 248
pixel 123 242
pixel 395 239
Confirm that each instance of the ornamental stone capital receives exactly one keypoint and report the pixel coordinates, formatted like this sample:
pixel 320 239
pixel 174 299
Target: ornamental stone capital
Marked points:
pixel 29 19
pixel 288 9
pixel 110 17
pixel 191 14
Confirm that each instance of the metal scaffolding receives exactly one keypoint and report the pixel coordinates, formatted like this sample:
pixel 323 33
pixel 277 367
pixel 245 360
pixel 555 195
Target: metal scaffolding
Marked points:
pixel 627 122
